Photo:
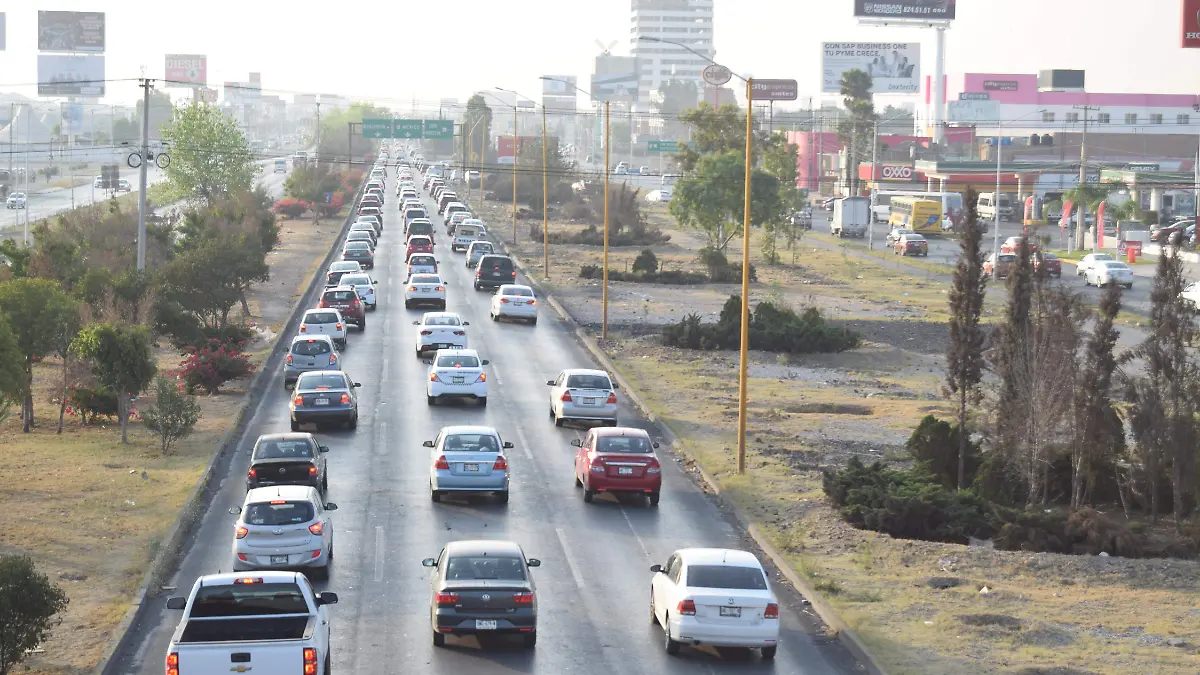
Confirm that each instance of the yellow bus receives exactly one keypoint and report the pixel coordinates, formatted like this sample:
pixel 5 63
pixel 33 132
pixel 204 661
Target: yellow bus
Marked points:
pixel 921 214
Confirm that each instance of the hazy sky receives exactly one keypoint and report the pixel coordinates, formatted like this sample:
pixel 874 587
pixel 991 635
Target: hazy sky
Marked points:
pixel 395 51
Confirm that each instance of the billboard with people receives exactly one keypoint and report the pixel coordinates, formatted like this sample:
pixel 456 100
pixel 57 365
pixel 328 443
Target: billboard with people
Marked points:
pixel 895 68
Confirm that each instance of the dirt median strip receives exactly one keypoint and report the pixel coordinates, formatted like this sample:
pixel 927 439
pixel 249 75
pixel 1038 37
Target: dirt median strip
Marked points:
pixel 195 506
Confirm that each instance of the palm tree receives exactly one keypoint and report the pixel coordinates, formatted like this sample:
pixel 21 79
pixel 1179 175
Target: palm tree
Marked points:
pixel 856 88
pixel 1089 196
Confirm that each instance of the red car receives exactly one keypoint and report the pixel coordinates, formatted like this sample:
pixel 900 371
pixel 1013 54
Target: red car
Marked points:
pixel 1053 264
pixel 418 244
pixel 346 300
pixel 617 459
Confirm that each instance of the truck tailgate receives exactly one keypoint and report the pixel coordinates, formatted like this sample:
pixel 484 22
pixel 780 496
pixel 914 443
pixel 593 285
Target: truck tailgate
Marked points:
pixel 254 658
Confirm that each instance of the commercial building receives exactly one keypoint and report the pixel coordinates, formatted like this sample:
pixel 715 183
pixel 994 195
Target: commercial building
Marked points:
pixel 688 22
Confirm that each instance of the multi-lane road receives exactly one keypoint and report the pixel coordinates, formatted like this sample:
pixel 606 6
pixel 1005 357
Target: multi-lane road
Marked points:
pixel 595 581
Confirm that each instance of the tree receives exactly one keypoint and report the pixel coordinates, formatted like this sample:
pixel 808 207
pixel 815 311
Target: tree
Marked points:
pixel 711 198
pixel 964 352
pixel 11 374
pixel 17 257
pixel 1098 429
pixel 337 145
pixel 856 86
pixel 208 280
pixel 210 156
pixel 42 317
pixel 310 183
pixel 174 414
pixel 477 130
pixel 121 359
pixel 29 603
pixel 1087 198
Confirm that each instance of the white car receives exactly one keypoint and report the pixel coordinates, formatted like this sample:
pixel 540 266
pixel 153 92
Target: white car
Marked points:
pixel 425 289
pixel 456 373
pixel 283 527
pixel 1109 271
pixel 659 196
pixel 364 285
pixel 440 330
pixel 16 200
pixel 1191 294
pixel 1089 261
pixel 98 182
pixel 583 394
pixel 123 185
pixel 718 597
pixel 422 263
pixel 896 232
pixel 514 302
pixel 325 322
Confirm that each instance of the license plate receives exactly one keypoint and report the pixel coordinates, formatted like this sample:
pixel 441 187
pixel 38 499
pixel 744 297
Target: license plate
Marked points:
pixel 279 560
pixel 480 624
pixel 735 612
pixel 424 289
pixel 320 401
pixel 312 363
pixel 625 470
pixel 444 345
pixel 589 401
pixel 457 380
pixel 518 302
pixel 470 467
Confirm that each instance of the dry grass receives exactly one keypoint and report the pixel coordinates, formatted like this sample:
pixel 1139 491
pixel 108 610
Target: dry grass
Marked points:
pixel 91 511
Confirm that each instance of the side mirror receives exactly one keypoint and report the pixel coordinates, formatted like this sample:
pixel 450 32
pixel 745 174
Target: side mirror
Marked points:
pixel 508 445
pixel 533 562
pixel 485 362
pixel 176 603
pixel 373 281
pixel 416 323
pixel 614 383
pixel 429 562
pixel 655 444
pixel 235 510
pixel 466 323
pixel 427 444
pixel 428 362
pixel 657 569
pixel 331 507
pixel 550 382
pixel 327 598
pixel 576 442
pixel 357 385
pixel 323 448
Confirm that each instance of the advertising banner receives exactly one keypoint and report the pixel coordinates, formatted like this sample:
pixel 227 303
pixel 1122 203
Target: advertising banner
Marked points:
pixel 1189 33
pixel 186 70
pixel 933 10
pixel 63 75
pixel 504 145
pixel 71 32
pixel 72 118
pixel 559 85
pixel 1001 85
pixel 620 87
pixel 895 68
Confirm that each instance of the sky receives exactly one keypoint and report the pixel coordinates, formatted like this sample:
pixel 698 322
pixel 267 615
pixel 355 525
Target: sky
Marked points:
pixel 415 53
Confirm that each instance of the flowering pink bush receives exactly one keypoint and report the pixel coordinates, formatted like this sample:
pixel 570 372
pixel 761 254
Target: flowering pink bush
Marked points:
pixel 209 367
pixel 291 208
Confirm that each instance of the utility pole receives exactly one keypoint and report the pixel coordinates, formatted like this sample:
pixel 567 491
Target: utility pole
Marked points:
pixel 1079 229
pixel 145 84
pixel 317 136
pixel 876 175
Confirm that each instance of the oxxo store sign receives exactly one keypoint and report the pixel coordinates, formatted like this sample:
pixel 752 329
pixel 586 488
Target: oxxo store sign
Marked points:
pixel 903 173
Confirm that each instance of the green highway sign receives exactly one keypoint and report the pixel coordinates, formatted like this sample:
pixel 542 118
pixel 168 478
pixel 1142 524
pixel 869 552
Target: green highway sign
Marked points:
pixel 377 128
pixel 439 129
pixel 662 146
pixel 407 129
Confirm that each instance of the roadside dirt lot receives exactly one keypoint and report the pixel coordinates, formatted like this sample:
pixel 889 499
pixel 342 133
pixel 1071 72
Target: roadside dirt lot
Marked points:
pixel 91 511
pixel 1040 613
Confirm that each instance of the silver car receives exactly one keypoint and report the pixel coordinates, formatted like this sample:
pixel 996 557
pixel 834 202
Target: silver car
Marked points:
pixel 283 527
pixel 468 459
pixel 477 250
pixel 308 353
pixel 584 395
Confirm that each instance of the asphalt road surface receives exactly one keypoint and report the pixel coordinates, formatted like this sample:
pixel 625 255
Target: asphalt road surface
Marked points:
pixel 595 580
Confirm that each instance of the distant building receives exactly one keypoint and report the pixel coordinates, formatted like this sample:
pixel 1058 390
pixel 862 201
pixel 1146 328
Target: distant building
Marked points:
pixel 688 22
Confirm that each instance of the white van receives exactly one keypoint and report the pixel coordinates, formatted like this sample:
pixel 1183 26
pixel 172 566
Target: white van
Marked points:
pixel 465 233
pixel 989 204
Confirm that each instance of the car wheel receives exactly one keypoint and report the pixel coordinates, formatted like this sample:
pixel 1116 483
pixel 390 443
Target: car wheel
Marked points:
pixel 654 498
pixel 533 321
pixel 407 304
pixel 435 495
pixel 768 653
pixel 530 640
pixel 503 497
pixel 362 325
pixel 328 669
pixel 653 614
pixel 670 643
pixel 494 317
pixel 483 401
pixel 558 421
pixel 439 639
pixel 1128 286
pixel 321 573
pixel 588 494
pixel 353 423
pixel 295 425
pixel 325 490
pixel 431 400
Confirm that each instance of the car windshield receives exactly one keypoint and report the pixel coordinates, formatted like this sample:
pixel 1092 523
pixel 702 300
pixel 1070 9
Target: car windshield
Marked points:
pixel 458 362
pixel 321 317
pixel 622 444
pixel 726 576
pixel 471 443
pixel 357 246
pixel 311 347
pixel 588 382
pixel 442 321
pixel 1101 256
pixel 248 600
pixel 272 513
pixel 321 381
pixel 1008 258
pixel 464 568
pixel 356 280
pixel 340 296
pixel 280 449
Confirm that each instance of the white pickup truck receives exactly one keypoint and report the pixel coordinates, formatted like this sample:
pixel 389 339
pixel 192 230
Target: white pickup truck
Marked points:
pixel 261 623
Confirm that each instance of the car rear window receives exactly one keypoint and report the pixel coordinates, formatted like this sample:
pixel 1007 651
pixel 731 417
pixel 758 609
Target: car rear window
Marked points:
pixel 356 280
pixel 413 214
pixel 340 296
pixel 422 260
pixel 321 317
pixel 622 444
pixel 248 600
pixel 468 568
pixel 726 576
pixel 283 449
pixel 442 321
pixel 311 347
pixel 497 262
pixel 479 249
pixel 270 513
pixel 419 241
pixel 466 230
pixel 458 362
pixel 357 246
pixel 471 443
pixel 321 380
pixel 359 235
pixel 588 382
pixel 421 228
pixel 518 291
pixel 1008 258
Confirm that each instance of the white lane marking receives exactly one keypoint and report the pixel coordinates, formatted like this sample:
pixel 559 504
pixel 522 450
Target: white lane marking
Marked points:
pixel 524 443
pixel 496 374
pixel 378 553
pixel 562 539
pixel 635 534
pixel 386 363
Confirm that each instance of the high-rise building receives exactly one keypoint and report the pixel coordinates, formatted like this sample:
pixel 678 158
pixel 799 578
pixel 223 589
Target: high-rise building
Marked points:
pixel 687 22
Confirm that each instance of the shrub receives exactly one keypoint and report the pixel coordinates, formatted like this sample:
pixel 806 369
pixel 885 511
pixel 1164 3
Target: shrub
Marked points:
pixel 772 329
pixel 291 208
pixel 92 402
pixel 171 320
pixel 934 446
pixel 646 262
pixel 577 211
pixel 720 270
pixel 678 277
pixel 231 335
pixel 213 365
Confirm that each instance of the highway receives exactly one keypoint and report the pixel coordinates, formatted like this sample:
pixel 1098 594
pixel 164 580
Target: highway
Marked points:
pixel 55 200
pixel 593 587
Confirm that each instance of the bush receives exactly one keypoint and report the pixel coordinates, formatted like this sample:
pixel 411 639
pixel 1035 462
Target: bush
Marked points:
pixel 720 270
pixel 677 277
pixel 92 402
pixel 934 446
pixel 230 335
pixel 291 208
pixel 646 262
pixel 213 365
pixel 772 329
pixel 577 211
pixel 172 321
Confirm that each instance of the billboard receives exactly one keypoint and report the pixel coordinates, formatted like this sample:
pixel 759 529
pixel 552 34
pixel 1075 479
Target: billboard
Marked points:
pixel 72 118
pixel 204 95
pixel 894 67
pixel 71 32
pixel 932 10
pixel 186 70
pixel 1189 31
pixel 504 147
pixel 620 87
pixel 559 85
pixel 64 75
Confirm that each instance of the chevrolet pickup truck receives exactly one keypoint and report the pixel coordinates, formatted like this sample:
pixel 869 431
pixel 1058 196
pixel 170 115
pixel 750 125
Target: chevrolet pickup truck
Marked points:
pixel 260 622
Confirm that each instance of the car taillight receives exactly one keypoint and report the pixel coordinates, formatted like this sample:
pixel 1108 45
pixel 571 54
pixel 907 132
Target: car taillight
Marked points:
pixel 460 332
pixel 533 302
pixel 412 288
pixel 316 528
pixel 299 400
pixel 653 467
pixel 173 663
pixel 686 608
pixel 322 303
pixel 482 377
pixel 772 611
pixel 428 332
pixel 514 273
pixel 333 358
pixel 566 397
pixel 288 358
pixel 501 464
pixel 478 272
pixel 337 326
pixel 523 598
pixel 310 661
pixel 312 470
pixel 303 328
pixel 441 463
pixel 612 398
pixel 240 532
pixel 252 473
pixel 345 399
pixel 440 288
pixel 354 302
pixel 503 301
pixel 444 598
pixel 433 377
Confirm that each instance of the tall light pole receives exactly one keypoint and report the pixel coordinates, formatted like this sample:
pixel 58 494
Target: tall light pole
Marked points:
pixel 545 195
pixel 515 154
pixel 467 145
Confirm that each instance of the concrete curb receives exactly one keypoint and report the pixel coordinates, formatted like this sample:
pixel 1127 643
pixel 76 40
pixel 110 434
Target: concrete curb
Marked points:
pixel 194 507
pixel 854 643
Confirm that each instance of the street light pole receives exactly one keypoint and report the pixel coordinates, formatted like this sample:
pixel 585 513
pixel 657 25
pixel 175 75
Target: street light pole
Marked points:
pixel 545 202
pixel 744 347
pixel 516 155
pixel 607 171
pixel 875 191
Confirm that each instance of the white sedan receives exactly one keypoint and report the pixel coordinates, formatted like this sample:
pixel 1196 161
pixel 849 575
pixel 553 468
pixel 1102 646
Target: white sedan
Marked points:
pixel 1191 294
pixel 364 285
pixel 514 302
pixel 716 597
pixel 425 289
pixel 1090 261
pixel 1109 271
pixel 440 330
pixel 456 373
pixel 16 200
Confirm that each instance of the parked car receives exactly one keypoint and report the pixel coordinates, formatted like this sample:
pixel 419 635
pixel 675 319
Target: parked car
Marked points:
pixel 619 459
pixel 1169 235
pixel 1013 245
pixel 894 235
pixel 1008 261
pixel 288 459
pixel 1052 263
pixel 1191 294
pixel 911 244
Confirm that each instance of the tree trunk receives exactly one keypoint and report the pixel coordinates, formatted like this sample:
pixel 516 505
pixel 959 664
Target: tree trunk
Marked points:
pixel 1178 490
pixel 27 404
pixel 245 305
pixel 62 396
pixel 123 412
pixel 962 436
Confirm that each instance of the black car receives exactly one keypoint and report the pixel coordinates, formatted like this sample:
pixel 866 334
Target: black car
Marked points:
pixel 324 397
pixel 482 587
pixel 288 459
pixel 494 271
pixel 359 252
